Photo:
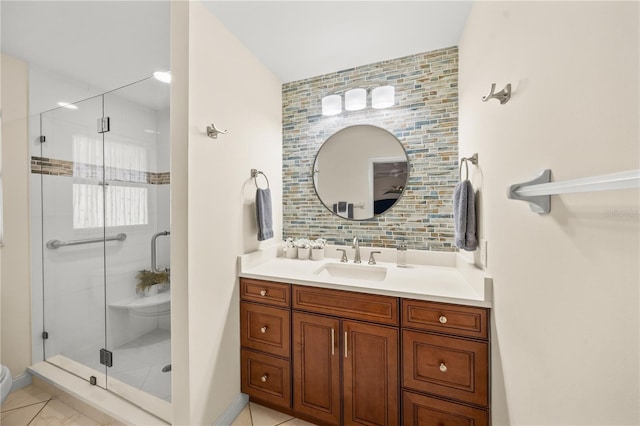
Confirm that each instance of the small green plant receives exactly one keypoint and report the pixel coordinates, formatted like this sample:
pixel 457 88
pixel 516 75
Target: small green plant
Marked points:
pixel 146 279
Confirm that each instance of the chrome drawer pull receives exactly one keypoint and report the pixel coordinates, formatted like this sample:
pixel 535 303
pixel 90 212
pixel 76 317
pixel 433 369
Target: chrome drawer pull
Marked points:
pixel 442 319
pixel 264 378
pixel 263 329
pixel 443 367
pixel 263 292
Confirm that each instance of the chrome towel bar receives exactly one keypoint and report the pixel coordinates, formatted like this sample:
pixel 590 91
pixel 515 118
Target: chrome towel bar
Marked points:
pixel 54 244
pixel 537 192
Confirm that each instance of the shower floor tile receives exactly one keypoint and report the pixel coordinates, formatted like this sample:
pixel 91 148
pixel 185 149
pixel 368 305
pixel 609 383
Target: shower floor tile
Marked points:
pixel 139 363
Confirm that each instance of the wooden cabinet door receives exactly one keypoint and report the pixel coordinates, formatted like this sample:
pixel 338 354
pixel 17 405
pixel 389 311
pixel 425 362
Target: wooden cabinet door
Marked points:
pixel 316 366
pixel 370 367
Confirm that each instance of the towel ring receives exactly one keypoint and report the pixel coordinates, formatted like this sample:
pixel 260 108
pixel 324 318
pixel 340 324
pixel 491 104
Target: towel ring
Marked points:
pixel 254 175
pixel 473 159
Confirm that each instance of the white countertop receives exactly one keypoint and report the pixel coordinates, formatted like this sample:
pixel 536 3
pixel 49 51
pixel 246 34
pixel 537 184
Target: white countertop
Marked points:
pixel 426 282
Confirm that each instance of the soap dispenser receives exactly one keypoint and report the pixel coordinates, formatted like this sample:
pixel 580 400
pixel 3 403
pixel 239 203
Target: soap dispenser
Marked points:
pixel 402 254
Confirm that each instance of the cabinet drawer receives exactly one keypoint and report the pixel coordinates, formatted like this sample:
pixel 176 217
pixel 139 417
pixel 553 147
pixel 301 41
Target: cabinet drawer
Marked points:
pixel 347 304
pixel 266 378
pixel 465 321
pixel 266 292
pixel 446 366
pixel 265 328
pixel 420 410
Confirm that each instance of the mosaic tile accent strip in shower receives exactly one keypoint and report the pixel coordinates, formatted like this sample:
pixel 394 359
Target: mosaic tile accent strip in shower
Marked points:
pixel 424 119
pixel 53 167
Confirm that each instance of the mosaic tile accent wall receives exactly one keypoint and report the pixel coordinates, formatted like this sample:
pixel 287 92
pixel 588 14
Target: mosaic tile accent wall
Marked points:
pixel 424 119
pixel 53 167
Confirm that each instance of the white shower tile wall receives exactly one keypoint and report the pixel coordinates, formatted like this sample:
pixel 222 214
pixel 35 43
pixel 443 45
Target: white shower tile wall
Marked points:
pixel 424 119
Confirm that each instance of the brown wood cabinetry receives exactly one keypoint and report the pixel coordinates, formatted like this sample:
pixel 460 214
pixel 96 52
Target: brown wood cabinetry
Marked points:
pixel 445 355
pixel 327 337
pixel 425 411
pixel 265 336
pixel 346 358
pixel 370 379
pixel 316 367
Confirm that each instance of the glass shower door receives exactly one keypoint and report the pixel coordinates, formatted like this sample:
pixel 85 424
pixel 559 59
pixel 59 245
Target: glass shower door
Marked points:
pixel 137 202
pixel 71 170
pixel 103 167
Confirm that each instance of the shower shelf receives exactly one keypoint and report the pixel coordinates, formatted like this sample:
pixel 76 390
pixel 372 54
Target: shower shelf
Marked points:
pixel 142 302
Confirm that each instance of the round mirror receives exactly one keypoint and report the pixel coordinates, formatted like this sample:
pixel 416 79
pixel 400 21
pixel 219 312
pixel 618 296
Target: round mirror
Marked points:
pixel 360 172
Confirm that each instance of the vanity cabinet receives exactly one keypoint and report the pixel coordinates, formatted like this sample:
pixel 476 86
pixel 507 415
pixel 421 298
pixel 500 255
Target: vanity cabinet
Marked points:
pixel 316 367
pixel 445 354
pixel 368 354
pixel 265 337
pixel 339 357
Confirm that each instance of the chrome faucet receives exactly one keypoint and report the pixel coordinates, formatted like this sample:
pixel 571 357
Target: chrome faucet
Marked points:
pixel 356 245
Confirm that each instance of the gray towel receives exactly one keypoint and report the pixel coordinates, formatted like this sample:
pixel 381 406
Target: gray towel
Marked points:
pixel 263 214
pixel 464 216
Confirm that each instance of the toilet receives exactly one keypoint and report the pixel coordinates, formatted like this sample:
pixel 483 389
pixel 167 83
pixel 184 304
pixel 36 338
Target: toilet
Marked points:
pixel 5 382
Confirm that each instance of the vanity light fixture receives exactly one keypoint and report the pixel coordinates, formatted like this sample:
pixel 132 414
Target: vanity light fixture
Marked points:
pixel 355 99
pixel 331 105
pixel 383 97
pixel 163 76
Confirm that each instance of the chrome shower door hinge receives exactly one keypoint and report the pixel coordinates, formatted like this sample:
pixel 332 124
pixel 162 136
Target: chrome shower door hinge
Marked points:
pixel 45 335
pixel 106 357
pixel 103 125
pixel 43 139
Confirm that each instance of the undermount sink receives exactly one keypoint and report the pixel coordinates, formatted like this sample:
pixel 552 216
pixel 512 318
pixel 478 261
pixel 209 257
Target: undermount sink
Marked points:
pixel 358 272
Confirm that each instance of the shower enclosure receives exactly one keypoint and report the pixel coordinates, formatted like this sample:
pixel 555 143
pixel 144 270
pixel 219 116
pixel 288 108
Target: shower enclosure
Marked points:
pixel 100 168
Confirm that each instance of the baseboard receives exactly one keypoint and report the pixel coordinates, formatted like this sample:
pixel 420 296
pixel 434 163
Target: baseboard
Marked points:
pixel 21 381
pixel 233 411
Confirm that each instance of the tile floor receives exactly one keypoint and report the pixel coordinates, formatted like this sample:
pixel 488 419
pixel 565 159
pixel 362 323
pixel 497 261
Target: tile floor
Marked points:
pixel 257 415
pixel 31 406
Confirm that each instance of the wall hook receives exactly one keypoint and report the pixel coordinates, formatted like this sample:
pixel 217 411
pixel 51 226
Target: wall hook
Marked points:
pixel 503 96
pixel 213 132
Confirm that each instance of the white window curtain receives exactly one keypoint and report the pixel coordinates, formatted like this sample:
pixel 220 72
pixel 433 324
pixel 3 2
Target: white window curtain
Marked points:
pixel 125 205
pixel 125 164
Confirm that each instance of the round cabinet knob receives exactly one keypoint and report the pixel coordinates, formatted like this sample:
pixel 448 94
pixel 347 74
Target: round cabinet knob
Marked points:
pixel 443 367
pixel 263 292
pixel 263 329
pixel 442 319
pixel 264 378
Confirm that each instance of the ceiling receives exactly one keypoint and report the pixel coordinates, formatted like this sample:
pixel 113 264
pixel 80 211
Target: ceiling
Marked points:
pixel 111 43
pixel 106 44
pixel 302 39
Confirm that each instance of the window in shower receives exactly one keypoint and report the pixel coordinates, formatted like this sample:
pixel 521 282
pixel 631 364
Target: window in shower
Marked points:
pixel 125 205
pixel 125 163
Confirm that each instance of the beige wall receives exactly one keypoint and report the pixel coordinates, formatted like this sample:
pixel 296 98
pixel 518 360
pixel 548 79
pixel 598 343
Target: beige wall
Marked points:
pixel 566 324
pixel 179 128
pixel 227 86
pixel 15 320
